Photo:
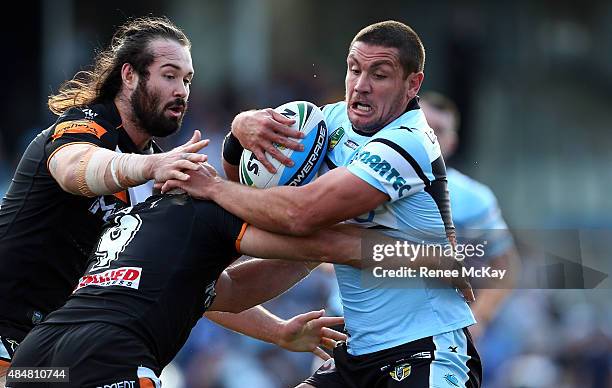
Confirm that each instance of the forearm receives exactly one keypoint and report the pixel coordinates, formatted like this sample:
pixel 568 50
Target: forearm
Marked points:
pixel 256 322
pixel 256 281
pixel 328 245
pixel 87 170
pixel 273 209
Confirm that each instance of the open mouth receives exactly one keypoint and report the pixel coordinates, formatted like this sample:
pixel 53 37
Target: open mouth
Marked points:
pixel 177 110
pixel 361 107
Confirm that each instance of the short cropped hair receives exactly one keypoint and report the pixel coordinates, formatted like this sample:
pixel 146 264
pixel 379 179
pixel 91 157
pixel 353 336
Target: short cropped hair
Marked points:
pixel 391 33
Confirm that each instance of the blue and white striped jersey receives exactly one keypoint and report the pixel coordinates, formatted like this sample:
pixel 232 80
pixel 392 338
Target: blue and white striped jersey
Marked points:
pixel 403 160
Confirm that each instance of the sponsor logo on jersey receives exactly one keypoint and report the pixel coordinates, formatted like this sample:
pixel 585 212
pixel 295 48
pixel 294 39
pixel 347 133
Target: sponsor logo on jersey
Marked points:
pixel 335 137
pixel 421 355
pixel 384 169
pixel 431 135
pixel 351 144
pixel 400 372
pixel 452 380
pixel 119 384
pixel 105 206
pixel 78 126
pixel 37 317
pixel 124 276
pixel 89 114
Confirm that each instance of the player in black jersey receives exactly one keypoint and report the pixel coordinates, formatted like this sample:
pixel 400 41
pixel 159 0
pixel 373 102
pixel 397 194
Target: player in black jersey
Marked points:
pixel 87 164
pixel 157 267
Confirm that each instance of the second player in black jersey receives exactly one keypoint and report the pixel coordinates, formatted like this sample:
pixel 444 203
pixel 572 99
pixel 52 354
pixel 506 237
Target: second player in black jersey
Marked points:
pixel 157 268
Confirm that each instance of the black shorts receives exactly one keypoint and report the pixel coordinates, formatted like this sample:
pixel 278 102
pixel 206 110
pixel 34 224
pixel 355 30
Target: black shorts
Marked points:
pixel 96 355
pixel 442 361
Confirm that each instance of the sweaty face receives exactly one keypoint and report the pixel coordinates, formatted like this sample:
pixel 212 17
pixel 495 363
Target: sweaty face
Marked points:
pixel 376 91
pixel 159 101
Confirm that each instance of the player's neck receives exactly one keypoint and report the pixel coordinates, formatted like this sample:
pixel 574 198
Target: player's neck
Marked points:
pixel 130 124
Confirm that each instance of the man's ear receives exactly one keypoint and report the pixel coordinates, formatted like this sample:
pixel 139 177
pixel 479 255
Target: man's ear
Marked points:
pixel 414 82
pixel 129 77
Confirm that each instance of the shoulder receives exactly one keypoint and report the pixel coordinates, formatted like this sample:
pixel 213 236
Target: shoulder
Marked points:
pixel 97 121
pixel 470 199
pixel 410 134
pixel 334 112
pixel 103 114
pixel 470 187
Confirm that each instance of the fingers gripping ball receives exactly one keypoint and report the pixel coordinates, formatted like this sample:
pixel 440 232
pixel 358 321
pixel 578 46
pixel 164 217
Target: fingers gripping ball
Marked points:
pixel 309 120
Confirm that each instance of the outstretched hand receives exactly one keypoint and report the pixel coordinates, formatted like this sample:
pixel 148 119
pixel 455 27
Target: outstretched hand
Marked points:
pixel 306 332
pixel 174 163
pixel 258 132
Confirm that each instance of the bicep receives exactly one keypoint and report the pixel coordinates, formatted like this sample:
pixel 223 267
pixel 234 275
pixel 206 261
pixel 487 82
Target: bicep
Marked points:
pixel 64 160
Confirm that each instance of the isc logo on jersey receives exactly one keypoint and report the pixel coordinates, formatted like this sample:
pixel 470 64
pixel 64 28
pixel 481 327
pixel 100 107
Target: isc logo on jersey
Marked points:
pixel 309 120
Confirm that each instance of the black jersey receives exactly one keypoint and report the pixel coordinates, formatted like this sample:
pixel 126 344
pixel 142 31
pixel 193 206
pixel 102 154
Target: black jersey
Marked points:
pixel 46 234
pixel 154 271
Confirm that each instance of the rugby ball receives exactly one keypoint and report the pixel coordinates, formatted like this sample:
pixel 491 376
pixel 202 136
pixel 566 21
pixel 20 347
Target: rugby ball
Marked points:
pixel 309 120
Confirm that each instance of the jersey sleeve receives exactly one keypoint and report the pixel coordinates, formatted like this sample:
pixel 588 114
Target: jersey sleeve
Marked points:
pixel 75 129
pixel 398 166
pixel 226 229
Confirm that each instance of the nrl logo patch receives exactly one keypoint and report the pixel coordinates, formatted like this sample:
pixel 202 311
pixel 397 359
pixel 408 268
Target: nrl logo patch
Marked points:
pixel 401 372
pixel 335 137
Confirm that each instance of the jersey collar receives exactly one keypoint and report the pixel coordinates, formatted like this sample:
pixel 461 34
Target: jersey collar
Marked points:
pixel 125 143
pixel 412 105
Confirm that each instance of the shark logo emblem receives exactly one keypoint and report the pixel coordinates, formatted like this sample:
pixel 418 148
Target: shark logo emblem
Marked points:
pixel 452 380
pixel 401 372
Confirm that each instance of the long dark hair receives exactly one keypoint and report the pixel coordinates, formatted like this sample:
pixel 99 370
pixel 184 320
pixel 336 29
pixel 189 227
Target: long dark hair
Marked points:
pixel 130 44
